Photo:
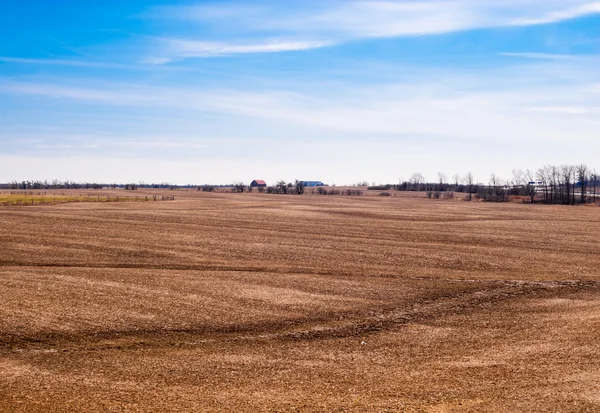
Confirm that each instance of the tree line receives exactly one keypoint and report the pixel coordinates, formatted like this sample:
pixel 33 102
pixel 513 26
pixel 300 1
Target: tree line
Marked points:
pixel 551 184
pixel 280 187
pixel 67 184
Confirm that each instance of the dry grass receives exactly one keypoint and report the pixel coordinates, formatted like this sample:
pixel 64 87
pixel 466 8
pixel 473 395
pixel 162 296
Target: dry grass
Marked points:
pixel 34 199
pixel 228 302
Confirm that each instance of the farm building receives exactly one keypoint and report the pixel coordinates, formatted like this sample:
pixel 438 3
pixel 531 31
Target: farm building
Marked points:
pixel 258 183
pixel 312 183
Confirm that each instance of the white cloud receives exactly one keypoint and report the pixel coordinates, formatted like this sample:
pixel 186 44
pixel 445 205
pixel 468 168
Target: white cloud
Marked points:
pixel 178 49
pixel 435 107
pixel 566 12
pixel 364 119
pixel 317 24
pixel 378 133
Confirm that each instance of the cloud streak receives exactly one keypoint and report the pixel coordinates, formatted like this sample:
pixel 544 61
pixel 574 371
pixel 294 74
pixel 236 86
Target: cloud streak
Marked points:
pixel 567 12
pixel 543 56
pixel 175 49
pixel 563 110
pixel 434 108
pixel 83 64
pixel 245 28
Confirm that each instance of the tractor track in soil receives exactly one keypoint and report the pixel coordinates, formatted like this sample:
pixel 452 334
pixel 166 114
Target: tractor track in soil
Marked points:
pixel 371 323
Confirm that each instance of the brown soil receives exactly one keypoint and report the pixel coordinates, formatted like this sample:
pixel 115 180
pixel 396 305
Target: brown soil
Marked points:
pixel 255 302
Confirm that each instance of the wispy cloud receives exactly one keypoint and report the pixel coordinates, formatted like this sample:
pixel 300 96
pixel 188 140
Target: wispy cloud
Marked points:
pixel 162 144
pixel 66 146
pixel 65 62
pixel 436 107
pixel 562 110
pixel 380 106
pixel 544 56
pixel 175 49
pixel 82 64
pixel 319 24
pixel 569 10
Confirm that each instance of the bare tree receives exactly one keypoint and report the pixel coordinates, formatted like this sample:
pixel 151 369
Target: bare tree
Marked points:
pixel 518 178
pixel 555 183
pixel 239 186
pixel 441 180
pixel 456 178
pixel 494 180
pixel 582 176
pixel 496 191
pixel 567 172
pixel 543 175
pixel 282 187
pixel 416 180
pixel 531 185
pixel 594 183
pixel 470 183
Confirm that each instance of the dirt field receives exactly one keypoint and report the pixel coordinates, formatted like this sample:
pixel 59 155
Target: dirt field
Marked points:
pixel 254 302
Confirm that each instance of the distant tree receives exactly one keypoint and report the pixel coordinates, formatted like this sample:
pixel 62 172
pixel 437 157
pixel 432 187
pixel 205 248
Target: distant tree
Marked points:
pixel 457 179
pixel 469 181
pixel 441 181
pixel 416 180
pixel 555 183
pixel 543 175
pixel 282 187
pixel 299 187
pixel 593 183
pixel 582 176
pixel 239 187
pixel 567 173
pixel 518 178
pixel 495 191
pixel 530 185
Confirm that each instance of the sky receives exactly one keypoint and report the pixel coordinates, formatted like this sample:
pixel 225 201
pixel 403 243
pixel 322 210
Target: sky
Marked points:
pixel 342 91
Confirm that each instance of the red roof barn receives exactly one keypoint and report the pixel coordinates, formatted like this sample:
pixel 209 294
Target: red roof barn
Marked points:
pixel 258 183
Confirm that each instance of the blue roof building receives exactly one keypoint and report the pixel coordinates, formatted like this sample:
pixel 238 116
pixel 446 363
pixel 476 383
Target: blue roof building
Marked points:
pixel 312 183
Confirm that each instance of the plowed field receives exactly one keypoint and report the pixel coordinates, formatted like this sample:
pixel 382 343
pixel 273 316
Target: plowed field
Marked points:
pixel 255 302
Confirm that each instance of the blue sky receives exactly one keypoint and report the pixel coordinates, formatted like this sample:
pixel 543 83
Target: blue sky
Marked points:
pixel 340 91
